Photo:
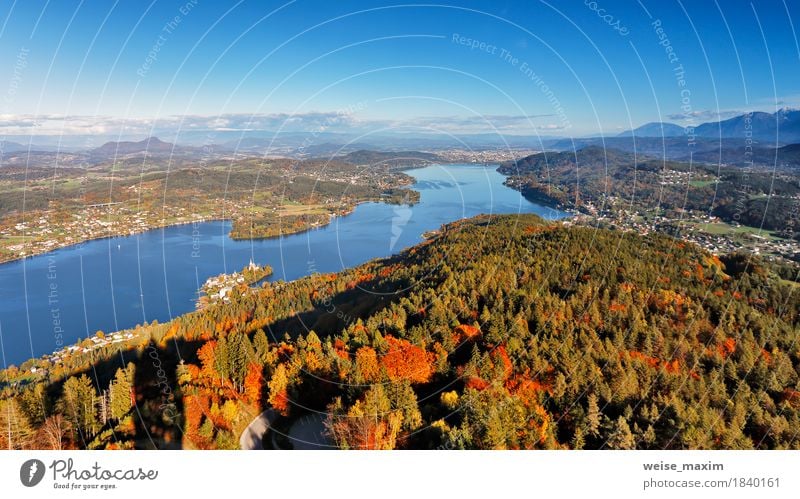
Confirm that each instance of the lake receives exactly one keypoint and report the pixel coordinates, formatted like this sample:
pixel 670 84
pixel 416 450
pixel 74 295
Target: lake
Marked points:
pixel 51 300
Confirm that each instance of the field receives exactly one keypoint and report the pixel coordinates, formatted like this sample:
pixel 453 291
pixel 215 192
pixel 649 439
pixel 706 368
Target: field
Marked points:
pixel 293 209
pixel 701 183
pixel 725 229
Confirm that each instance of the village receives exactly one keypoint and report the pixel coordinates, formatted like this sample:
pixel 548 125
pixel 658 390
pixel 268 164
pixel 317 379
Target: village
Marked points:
pixel 703 229
pixel 49 230
pixel 219 288
pixel 483 156
pixel 99 340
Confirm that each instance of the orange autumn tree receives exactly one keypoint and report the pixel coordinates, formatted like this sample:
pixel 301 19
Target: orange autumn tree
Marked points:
pixel 278 390
pixel 502 362
pixel 370 424
pixel 194 409
pixel 206 356
pixel 464 332
pixel 406 361
pixel 253 383
pixel 367 369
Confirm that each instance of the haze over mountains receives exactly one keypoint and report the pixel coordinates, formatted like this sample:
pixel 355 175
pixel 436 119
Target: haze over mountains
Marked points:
pixel 749 139
pixel 151 144
pixel 783 126
pixel 655 129
pixel 753 138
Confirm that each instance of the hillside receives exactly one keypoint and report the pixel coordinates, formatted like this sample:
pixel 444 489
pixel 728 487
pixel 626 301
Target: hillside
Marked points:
pixel 730 151
pixel 593 179
pixel 595 176
pixel 501 332
pixel 788 155
pixel 150 145
pixel 656 129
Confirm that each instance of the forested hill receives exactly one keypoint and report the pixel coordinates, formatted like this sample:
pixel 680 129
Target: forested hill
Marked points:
pixel 594 178
pixel 500 332
pixel 599 176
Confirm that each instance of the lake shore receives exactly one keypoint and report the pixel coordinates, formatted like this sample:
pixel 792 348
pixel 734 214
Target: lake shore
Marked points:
pixel 156 275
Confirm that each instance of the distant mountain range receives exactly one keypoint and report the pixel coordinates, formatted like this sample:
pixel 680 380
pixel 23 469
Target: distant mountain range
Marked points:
pixel 703 150
pixel 9 146
pixel 655 129
pixel 781 127
pixel 757 138
pixel 150 145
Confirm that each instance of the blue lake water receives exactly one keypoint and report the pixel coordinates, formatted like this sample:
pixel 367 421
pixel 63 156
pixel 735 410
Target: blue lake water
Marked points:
pixel 51 300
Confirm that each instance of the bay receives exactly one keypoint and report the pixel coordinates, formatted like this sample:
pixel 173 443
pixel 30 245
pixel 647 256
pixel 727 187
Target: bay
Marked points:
pixel 51 300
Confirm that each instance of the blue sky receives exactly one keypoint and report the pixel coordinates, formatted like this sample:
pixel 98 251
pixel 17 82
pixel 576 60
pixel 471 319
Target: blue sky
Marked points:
pixel 563 68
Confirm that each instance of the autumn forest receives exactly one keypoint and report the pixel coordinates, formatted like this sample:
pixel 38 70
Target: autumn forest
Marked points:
pixel 498 332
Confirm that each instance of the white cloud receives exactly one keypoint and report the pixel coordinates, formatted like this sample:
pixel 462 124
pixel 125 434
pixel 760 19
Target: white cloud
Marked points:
pixel 478 124
pixel 332 121
pixel 705 115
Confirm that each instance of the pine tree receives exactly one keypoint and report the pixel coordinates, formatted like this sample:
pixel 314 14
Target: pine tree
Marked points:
pixel 240 354
pixel 120 394
pixel 15 429
pixel 593 416
pixel 103 406
pixel 261 345
pixel 578 439
pixel 78 406
pixel 621 436
pixel 403 398
pixel 222 359
pixel 35 404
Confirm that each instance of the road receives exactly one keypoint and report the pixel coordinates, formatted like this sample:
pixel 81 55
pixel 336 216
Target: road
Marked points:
pixel 308 433
pixel 252 437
